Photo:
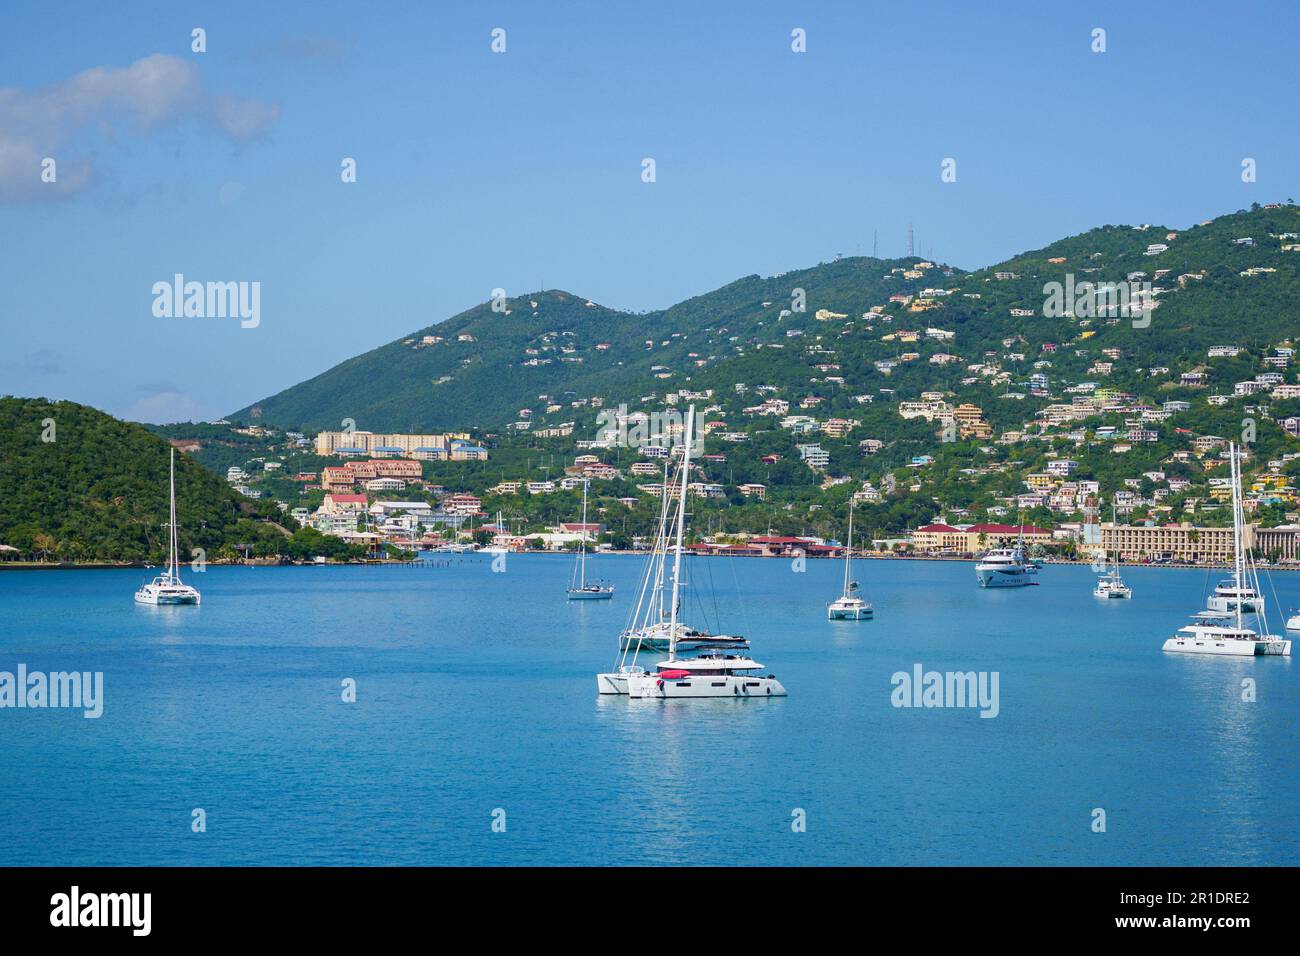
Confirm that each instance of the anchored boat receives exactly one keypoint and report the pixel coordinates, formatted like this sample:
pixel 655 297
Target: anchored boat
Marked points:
pixel 848 606
pixel 718 666
pixel 168 588
pixel 579 589
pixel 1221 629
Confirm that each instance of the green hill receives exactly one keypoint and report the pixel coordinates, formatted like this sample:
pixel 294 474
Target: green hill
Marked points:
pixel 98 490
pixel 477 369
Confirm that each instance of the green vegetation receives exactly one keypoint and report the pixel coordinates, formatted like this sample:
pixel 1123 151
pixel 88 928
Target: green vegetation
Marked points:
pixel 747 334
pixel 722 347
pixel 730 335
pixel 79 485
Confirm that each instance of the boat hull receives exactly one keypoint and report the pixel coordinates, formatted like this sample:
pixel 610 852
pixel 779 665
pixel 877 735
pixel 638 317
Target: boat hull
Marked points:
pixel 704 685
pixel 648 644
pixel 576 595
pixel 157 600
pixel 611 683
pixel 1228 648
pixel 993 578
pixel 849 614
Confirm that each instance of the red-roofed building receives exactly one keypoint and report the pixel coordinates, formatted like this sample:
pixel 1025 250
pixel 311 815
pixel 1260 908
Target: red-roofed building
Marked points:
pixel 590 529
pixel 463 504
pixel 741 550
pixel 338 504
pixel 775 545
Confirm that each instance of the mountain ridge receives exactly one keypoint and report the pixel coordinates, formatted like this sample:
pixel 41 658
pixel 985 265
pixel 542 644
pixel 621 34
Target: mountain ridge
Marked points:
pixel 478 368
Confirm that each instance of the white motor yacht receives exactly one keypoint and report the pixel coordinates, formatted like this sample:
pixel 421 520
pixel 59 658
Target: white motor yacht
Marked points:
pixel 1006 568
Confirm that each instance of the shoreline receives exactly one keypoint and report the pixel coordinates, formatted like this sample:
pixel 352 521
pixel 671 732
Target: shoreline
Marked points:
pixel 129 566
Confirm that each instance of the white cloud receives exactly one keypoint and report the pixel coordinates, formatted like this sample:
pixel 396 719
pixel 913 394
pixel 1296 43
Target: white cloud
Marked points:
pixel 149 93
pixel 165 406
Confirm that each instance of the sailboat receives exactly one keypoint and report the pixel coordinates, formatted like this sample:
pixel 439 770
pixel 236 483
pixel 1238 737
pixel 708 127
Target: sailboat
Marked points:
pixel 1209 634
pixel 579 589
pixel 848 606
pixel 718 667
pixel 167 588
pixel 649 626
pixel 1110 584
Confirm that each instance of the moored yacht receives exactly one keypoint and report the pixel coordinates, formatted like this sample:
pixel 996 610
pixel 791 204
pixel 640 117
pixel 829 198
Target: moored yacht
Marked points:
pixel 1220 629
pixel 1229 595
pixel 712 673
pixel 168 588
pixel 1204 638
pixel 1110 584
pixel 719 667
pixel 848 606
pixel 579 589
pixel 656 638
pixel 1006 568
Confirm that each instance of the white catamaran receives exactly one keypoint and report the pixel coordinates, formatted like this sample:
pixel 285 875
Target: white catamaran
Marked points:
pixel 1221 629
pixel 1110 585
pixel 579 589
pixel 848 606
pixel 720 666
pixel 167 588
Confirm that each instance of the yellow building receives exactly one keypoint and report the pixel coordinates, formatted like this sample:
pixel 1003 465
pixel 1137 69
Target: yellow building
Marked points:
pixel 1181 542
pixel 970 421
pixel 976 537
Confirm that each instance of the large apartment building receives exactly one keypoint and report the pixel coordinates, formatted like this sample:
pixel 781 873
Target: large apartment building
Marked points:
pixel 1176 542
pixel 375 443
pixel 1284 542
pixel 968 539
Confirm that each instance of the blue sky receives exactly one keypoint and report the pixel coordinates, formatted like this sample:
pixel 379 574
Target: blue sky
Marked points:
pixel 479 170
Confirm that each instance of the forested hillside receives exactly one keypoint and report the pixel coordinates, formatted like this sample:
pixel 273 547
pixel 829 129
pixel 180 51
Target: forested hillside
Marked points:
pixel 477 369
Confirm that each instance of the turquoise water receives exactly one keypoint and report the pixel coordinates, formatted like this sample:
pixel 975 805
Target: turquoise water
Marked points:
pixel 476 692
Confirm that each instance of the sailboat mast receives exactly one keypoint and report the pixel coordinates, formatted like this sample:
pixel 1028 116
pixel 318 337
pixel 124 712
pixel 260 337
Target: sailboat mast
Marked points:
pixel 681 527
pixel 582 541
pixel 661 545
pixel 848 552
pixel 173 566
pixel 1112 524
pixel 1236 528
